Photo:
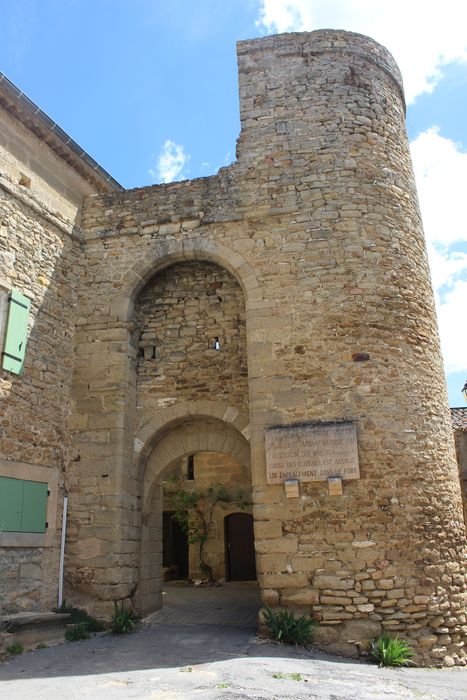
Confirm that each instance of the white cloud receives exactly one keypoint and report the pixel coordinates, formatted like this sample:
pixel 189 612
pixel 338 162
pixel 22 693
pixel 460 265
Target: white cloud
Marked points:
pixel 452 327
pixel 423 35
pixel 441 173
pixel 170 163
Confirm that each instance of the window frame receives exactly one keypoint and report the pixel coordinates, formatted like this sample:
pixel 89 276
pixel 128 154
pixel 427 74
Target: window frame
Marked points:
pixel 32 472
pixel 4 291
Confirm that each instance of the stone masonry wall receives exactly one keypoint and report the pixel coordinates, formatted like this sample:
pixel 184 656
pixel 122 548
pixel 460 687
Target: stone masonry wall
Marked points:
pixel 179 315
pixel 40 199
pixel 319 222
pixel 460 439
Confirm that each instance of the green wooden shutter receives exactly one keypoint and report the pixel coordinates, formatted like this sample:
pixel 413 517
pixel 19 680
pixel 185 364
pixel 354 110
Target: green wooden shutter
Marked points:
pixel 23 505
pixel 34 513
pixel 16 332
pixel 11 504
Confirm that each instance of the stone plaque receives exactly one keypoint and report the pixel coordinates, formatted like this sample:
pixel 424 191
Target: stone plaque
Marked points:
pixel 311 452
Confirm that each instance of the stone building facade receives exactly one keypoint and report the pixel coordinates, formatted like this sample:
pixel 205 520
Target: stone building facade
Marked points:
pixel 305 260
pixel 459 424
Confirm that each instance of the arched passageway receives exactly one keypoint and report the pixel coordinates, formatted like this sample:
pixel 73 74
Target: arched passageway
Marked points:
pixel 224 460
pixel 191 403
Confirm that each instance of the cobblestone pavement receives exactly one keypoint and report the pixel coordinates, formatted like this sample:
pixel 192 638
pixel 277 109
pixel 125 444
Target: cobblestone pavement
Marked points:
pixel 231 604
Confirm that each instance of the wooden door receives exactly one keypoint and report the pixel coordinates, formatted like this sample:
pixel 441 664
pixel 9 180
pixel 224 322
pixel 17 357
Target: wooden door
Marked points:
pixel 239 547
pixel 174 545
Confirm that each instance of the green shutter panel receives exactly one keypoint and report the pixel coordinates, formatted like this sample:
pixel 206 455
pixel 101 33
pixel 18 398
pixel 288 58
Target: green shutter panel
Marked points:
pixel 16 332
pixel 11 501
pixel 34 506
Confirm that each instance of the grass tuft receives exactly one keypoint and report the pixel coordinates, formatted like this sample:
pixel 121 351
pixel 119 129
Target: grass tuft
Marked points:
pixel 123 620
pixel 15 649
pixel 77 632
pixel 78 616
pixel 289 676
pixel 391 651
pixel 288 629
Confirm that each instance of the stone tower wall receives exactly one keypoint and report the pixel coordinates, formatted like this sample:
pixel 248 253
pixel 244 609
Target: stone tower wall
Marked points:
pixel 319 222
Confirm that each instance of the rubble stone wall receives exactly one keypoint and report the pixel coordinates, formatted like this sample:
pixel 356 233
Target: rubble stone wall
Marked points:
pixel 40 250
pixel 460 439
pixel 181 314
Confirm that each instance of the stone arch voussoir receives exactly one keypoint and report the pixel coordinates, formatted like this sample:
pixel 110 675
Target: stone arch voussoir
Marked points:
pixel 163 421
pixel 165 438
pixel 166 253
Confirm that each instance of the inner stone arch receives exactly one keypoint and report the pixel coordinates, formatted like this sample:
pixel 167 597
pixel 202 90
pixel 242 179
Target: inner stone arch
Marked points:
pixel 222 456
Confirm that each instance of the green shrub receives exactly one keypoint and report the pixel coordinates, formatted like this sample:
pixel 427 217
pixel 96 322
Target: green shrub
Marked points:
pixel 77 616
pixel 391 651
pixel 123 620
pixel 15 649
pixel 78 631
pixel 288 629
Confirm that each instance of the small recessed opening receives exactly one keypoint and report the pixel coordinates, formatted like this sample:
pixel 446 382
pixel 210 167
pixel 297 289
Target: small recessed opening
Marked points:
pixel 216 344
pixel 360 356
pixel 190 468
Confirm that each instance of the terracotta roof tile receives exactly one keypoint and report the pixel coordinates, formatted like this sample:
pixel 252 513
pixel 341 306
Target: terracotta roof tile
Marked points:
pixel 459 418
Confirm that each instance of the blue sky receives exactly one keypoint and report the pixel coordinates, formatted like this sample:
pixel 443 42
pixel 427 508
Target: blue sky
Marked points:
pixel 149 89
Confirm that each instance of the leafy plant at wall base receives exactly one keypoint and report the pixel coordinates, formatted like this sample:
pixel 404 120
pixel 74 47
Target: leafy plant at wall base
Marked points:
pixel 288 629
pixel 77 615
pixel 391 651
pixel 15 649
pixel 77 632
pixel 123 620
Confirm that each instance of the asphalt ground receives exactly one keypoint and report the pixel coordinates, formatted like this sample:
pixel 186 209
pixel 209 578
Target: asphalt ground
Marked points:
pixel 176 661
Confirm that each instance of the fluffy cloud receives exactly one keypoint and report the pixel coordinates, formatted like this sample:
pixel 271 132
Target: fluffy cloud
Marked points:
pixel 170 163
pixel 441 173
pixel 452 326
pixel 422 36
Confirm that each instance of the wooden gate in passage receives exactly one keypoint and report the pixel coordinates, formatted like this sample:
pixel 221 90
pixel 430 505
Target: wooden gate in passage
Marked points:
pixel 239 547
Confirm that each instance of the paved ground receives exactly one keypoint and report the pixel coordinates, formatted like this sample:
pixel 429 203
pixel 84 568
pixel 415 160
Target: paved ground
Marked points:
pixel 172 661
pixel 231 604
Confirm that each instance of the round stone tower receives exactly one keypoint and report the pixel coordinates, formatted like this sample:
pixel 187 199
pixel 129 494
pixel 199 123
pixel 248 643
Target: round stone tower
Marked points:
pixel 325 149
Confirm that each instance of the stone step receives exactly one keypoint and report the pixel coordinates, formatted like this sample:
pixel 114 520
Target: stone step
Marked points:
pixel 30 629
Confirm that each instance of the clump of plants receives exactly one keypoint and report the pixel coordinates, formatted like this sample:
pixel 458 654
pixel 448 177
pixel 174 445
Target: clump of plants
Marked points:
pixel 15 649
pixel 289 676
pixel 82 625
pixel 288 629
pixel 391 651
pixel 123 620
pixel 77 632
